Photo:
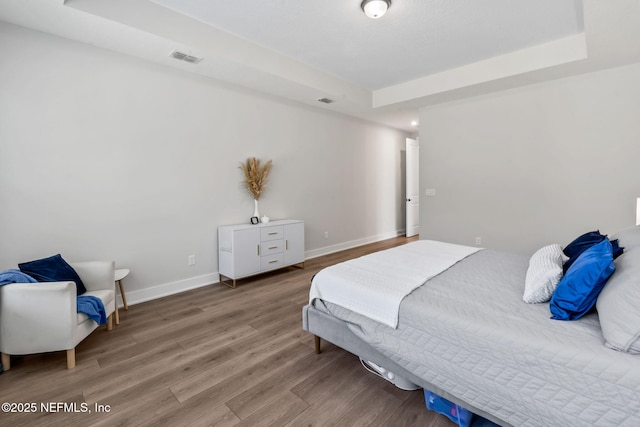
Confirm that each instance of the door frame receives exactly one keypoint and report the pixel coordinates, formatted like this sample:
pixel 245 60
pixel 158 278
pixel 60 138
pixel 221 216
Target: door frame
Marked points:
pixel 412 187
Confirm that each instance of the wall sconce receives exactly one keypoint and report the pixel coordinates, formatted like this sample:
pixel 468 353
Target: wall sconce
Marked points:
pixel 375 9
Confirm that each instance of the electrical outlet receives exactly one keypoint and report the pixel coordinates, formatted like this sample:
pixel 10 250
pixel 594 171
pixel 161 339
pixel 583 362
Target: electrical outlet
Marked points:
pixel 326 234
pixel 191 260
pixel 478 241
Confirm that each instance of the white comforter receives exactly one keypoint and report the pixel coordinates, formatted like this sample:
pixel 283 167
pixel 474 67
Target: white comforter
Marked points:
pixel 374 285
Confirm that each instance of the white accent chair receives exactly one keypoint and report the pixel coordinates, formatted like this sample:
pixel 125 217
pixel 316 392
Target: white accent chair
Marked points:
pixel 42 317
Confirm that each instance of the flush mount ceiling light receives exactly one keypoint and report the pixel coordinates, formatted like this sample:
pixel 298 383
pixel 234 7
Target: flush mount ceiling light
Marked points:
pixel 375 8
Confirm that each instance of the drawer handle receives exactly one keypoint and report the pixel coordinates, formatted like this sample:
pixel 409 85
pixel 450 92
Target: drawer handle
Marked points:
pixel 271 262
pixel 286 245
pixel 258 246
pixel 273 233
pixel 273 247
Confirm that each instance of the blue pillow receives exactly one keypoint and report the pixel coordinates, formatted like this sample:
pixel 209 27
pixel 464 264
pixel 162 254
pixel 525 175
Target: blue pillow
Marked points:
pixel 53 269
pixel 617 249
pixel 579 245
pixel 582 243
pixel 578 289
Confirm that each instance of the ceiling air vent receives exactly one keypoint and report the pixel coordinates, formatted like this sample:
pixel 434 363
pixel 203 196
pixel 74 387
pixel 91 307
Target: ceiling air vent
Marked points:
pixel 184 57
pixel 325 100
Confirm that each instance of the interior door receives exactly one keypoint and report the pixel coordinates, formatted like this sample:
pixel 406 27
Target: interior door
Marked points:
pixel 412 196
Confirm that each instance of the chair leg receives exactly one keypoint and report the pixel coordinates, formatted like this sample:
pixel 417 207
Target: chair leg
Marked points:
pixel 117 315
pixel 71 358
pixel 6 361
pixel 110 322
pixel 316 341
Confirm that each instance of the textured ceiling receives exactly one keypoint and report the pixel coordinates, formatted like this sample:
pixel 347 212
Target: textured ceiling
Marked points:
pixel 415 38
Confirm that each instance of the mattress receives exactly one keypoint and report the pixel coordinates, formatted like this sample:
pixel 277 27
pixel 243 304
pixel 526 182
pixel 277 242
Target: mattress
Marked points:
pixel 468 332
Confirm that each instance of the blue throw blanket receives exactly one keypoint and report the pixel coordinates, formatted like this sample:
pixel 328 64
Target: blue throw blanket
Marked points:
pixel 89 305
pixel 92 307
pixel 15 276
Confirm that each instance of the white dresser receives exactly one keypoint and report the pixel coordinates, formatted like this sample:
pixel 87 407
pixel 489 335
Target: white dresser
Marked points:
pixel 247 249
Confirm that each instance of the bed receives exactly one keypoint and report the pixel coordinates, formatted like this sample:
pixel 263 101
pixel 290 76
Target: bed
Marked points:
pixel 466 334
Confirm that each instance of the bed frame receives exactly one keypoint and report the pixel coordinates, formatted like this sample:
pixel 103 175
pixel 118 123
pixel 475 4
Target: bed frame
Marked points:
pixel 335 331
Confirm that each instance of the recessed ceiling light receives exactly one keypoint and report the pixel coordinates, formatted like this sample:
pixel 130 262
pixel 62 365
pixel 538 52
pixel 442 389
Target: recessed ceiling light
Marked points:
pixel 414 123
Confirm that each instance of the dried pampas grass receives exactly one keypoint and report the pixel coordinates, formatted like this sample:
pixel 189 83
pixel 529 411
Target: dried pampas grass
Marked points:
pixel 255 176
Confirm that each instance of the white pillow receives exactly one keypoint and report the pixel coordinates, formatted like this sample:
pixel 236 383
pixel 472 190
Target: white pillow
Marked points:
pixel 543 274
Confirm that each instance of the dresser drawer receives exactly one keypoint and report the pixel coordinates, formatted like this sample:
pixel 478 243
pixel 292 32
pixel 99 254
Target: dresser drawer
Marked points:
pixel 271 247
pixel 271 233
pixel 271 262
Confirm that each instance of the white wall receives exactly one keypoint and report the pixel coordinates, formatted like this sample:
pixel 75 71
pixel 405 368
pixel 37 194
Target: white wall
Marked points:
pixel 103 156
pixel 534 165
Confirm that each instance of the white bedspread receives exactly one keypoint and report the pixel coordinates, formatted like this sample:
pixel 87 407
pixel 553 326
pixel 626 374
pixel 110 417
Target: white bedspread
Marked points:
pixel 374 285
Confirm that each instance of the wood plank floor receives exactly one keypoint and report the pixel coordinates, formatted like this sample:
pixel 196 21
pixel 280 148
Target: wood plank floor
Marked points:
pixel 214 356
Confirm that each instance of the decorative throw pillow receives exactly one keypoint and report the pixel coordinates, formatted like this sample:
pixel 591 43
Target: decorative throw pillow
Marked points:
pixel 617 249
pixel 543 274
pixel 619 301
pixel 53 269
pixel 581 244
pixel 578 289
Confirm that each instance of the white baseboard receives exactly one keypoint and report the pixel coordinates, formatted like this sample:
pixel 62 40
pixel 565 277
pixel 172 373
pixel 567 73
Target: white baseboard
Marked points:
pixel 166 289
pixel 159 291
pixel 351 244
